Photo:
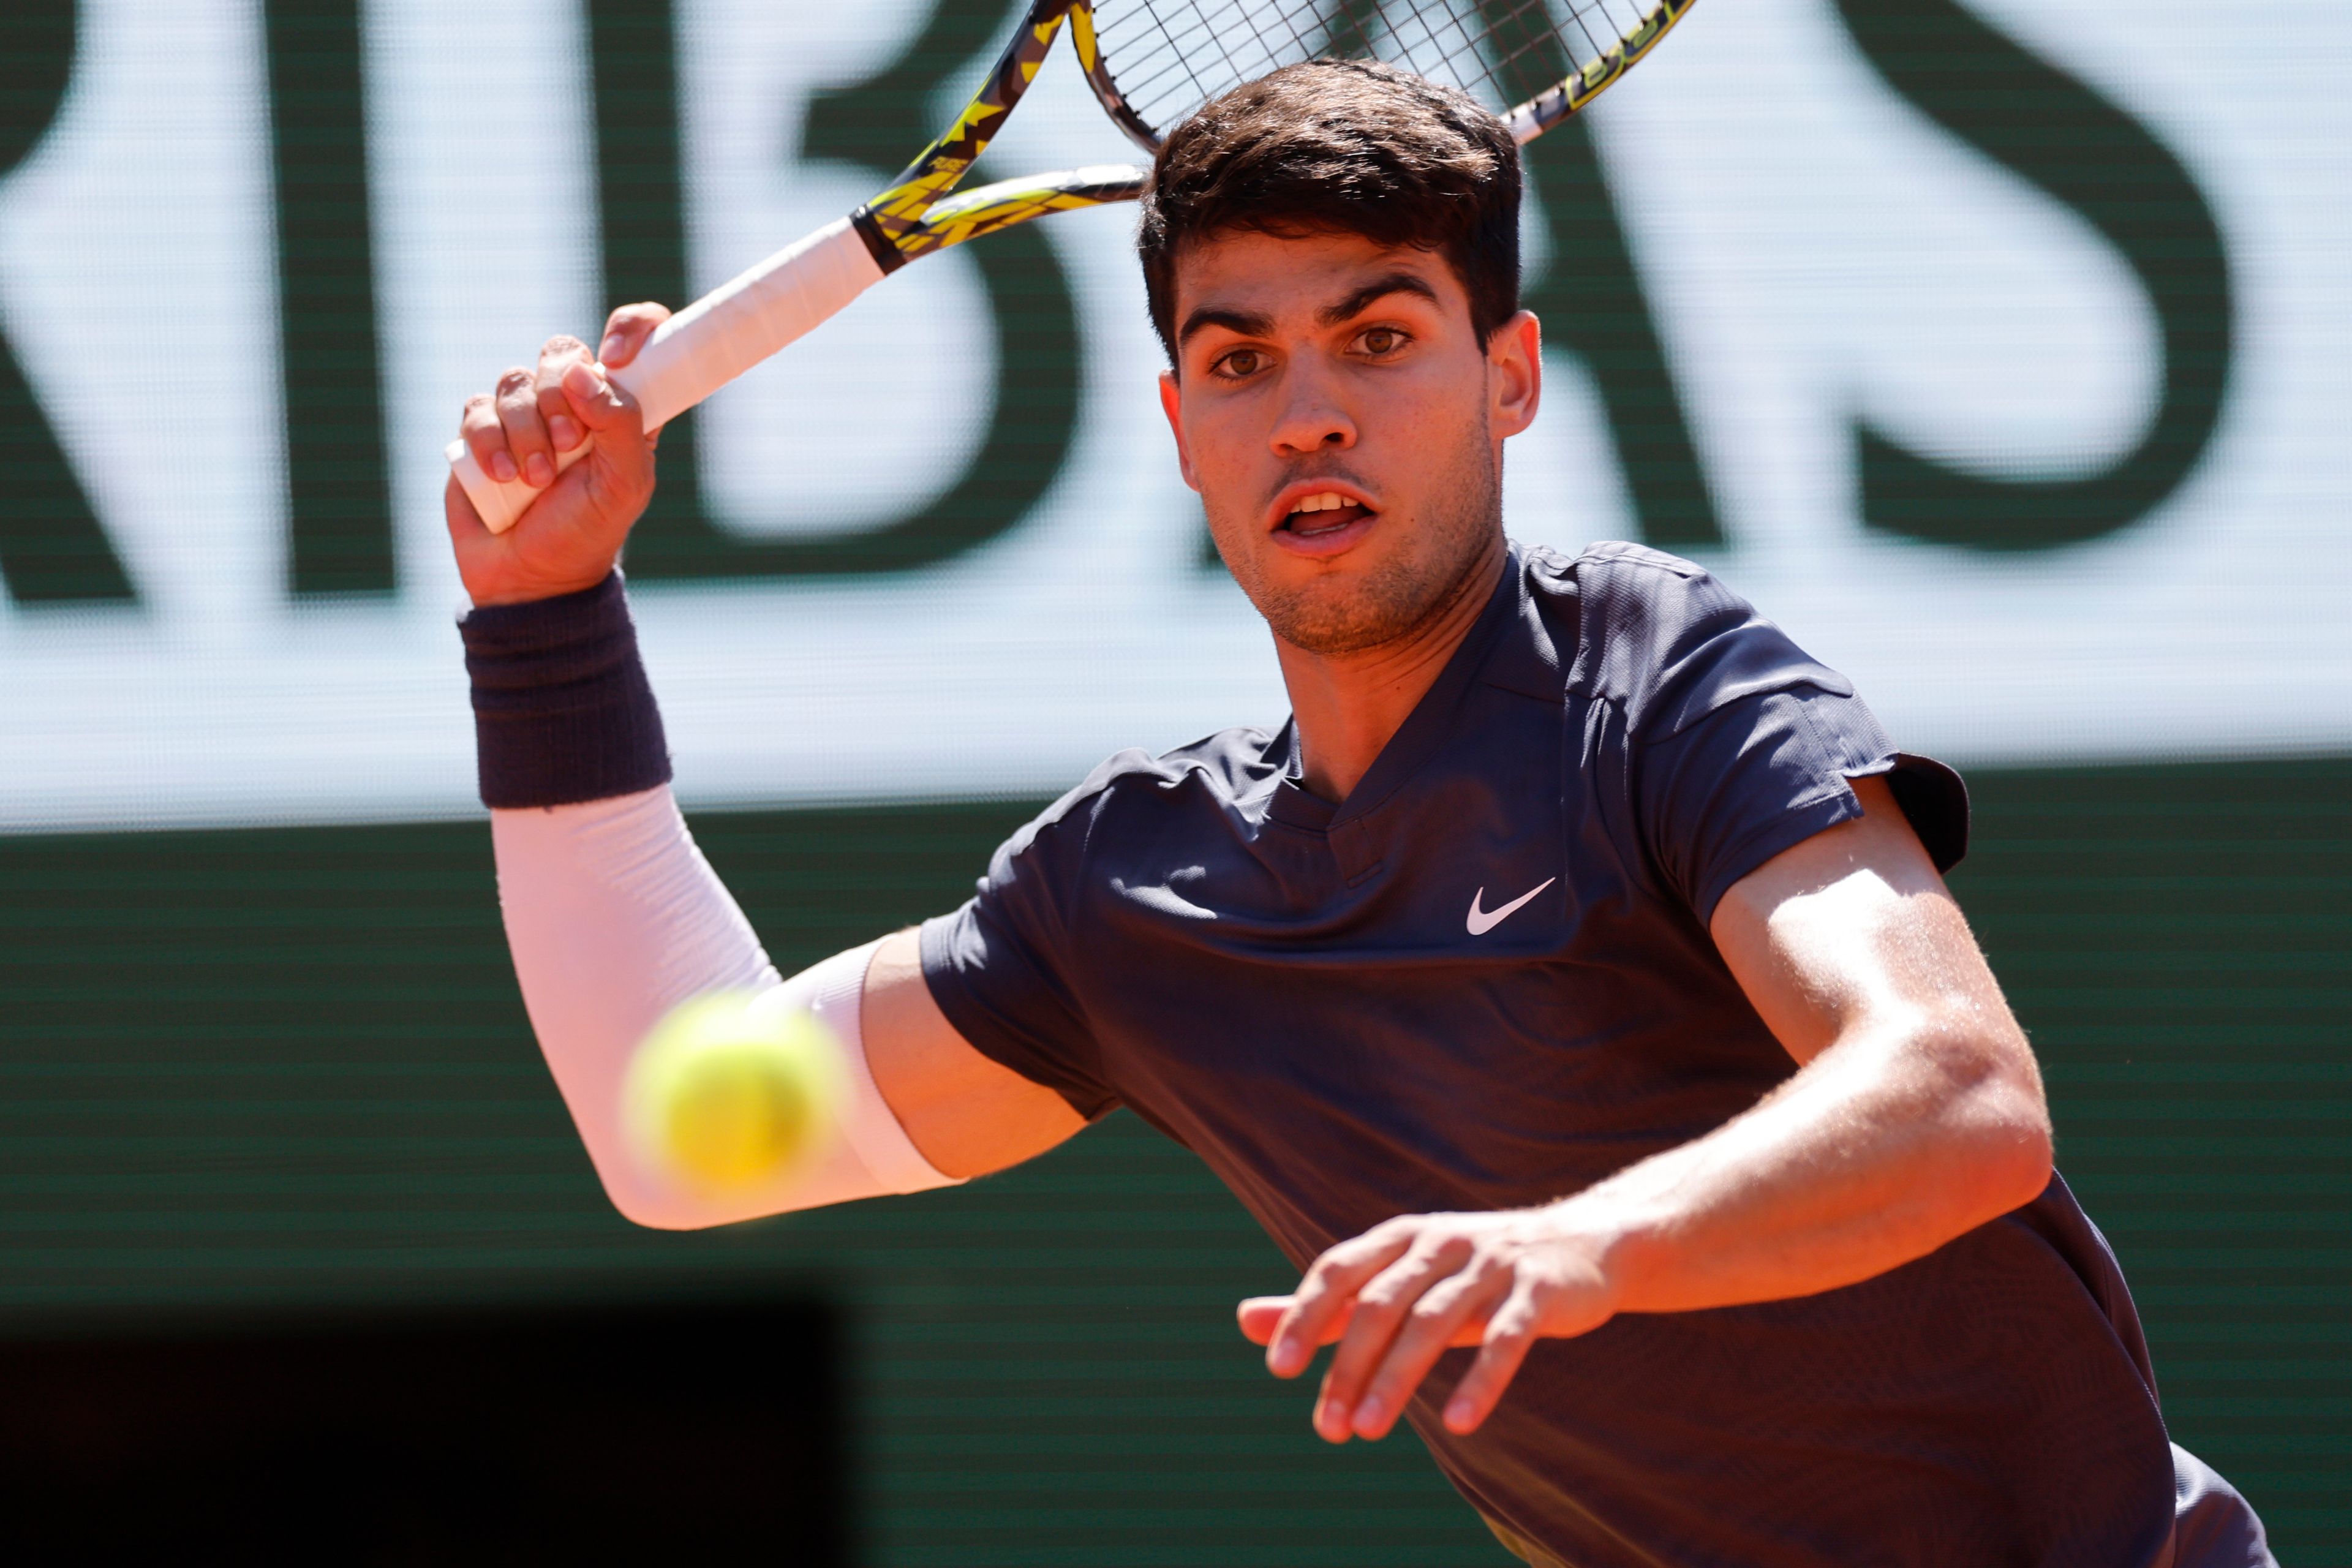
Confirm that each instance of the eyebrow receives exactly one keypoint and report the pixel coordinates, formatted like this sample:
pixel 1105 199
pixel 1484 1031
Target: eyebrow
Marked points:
pixel 1256 324
pixel 1241 324
pixel 1391 283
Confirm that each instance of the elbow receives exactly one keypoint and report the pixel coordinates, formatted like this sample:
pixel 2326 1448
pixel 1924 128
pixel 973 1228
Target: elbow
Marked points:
pixel 641 1203
pixel 642 1208
pixel 1999 1117
pixel 655 1217
pixel 2014 1158
pixel 643 1199
pixel 2010 1147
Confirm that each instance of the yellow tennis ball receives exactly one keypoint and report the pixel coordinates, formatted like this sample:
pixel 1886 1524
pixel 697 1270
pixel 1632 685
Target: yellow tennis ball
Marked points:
pixel 733 1090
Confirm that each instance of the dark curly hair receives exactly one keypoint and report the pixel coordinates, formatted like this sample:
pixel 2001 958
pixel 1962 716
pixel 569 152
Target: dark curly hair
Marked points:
pixel 1352 146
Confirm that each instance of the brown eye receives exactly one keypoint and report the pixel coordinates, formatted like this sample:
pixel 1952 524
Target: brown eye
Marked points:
pixel 1379 340
pixel 1241 363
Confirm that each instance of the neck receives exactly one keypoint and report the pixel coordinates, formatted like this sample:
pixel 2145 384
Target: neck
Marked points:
pixel 1347 706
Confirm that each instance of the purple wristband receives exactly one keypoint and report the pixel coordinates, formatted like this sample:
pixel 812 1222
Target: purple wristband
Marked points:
pixel 562 711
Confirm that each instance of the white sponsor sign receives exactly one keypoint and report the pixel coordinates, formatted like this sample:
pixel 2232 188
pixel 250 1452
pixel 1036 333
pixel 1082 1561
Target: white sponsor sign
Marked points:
pixel 1813 247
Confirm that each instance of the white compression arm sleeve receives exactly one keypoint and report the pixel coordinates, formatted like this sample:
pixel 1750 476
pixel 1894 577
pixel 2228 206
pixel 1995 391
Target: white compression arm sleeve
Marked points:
pixel 613 918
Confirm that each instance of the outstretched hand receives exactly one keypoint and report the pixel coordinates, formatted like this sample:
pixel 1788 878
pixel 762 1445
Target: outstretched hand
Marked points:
pixel 574 529
pixel 1396 1297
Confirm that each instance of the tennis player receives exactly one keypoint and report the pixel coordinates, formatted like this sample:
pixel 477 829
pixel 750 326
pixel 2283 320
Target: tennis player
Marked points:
pixel 1568 987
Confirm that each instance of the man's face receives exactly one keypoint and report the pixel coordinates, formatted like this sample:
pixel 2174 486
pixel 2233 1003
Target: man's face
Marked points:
pixel 1344 425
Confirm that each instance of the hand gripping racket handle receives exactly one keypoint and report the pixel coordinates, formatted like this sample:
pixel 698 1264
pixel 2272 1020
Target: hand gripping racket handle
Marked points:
pixel 708 345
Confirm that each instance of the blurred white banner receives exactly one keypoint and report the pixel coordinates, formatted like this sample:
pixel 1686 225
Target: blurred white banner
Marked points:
pixel 1815 248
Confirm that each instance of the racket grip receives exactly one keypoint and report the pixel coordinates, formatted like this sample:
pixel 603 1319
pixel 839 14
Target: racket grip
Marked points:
pixel 706 345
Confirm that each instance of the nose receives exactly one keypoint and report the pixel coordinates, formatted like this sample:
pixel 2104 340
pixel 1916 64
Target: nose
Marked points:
pixel 1312 418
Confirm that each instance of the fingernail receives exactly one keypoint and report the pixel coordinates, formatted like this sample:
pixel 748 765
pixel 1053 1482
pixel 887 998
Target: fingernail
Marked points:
pixel 611 346
pixel 1457 1414
pixel 582 382
pixel 1332 1419
pixel 563 431
pixel 537 470
pixel 502 467
pixel 1368 1415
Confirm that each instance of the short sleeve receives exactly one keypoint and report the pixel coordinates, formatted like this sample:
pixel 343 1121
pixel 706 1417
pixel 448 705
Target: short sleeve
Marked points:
pixel 1767 771
pixel 999 967
pixel 1742 744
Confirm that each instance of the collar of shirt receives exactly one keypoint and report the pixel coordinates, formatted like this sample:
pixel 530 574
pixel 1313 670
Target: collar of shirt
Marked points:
pixel 1508 645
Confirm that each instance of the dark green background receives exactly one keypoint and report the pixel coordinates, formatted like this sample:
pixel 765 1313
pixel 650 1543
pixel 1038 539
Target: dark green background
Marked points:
pixel 289 1067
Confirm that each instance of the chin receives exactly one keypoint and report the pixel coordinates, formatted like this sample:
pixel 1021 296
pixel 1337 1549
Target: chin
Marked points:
pixel 1343 613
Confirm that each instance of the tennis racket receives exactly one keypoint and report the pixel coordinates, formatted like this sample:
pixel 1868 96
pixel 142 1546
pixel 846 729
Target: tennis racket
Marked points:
pixel 1151 64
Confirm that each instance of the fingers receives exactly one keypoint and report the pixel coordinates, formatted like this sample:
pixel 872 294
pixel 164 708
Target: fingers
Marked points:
pixel 1260 1316
pixel 625 332
pixel 556 356
pixel 1382 1308
pixel 515 431
pixel 485 438
pixel 619 471
pixel 1329 1292
pixel 517 403
pixel 564 416
pixel 597 401
pixel 1399 1296
pixel 1447 1313
pixel 1511 1332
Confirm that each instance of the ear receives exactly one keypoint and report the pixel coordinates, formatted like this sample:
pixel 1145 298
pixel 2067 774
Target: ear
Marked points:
pixel 1515 374
pixel 1172 404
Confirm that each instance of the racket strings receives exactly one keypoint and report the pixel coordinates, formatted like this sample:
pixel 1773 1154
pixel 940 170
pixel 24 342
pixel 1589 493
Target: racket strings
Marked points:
pixel 1170 56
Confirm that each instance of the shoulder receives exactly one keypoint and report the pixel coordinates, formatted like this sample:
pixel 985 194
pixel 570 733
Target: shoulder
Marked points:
pixel 1214 770
pixel 1664 637
pixel 1638 611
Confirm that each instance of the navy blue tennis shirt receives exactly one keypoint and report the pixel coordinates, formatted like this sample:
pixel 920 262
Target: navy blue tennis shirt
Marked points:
pixel 1484 981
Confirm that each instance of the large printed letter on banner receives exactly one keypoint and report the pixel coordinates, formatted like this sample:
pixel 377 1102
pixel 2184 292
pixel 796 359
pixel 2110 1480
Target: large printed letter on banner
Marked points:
pixel 874 125
pixel 339 494
pixel 52 546
pixel 1591 302
pixel 2054 131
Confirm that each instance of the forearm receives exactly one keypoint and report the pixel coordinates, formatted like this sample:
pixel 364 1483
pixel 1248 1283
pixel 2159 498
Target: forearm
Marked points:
pixel 613 918
pixel 1880 1149
pixel 613 915
pixel 1886 1146
pixel 1916 1115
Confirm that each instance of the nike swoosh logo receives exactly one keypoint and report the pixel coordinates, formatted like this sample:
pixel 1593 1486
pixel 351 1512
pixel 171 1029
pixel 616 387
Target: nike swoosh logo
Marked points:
pixel 1481 922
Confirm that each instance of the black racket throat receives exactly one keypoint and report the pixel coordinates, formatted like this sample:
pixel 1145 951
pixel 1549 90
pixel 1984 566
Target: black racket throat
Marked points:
pixel 886 256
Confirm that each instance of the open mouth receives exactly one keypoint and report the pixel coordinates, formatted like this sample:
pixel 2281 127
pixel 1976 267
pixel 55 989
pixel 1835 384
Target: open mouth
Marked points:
pixel 1322 514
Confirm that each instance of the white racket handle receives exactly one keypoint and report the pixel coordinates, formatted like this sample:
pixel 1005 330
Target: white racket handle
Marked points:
pixel 706 345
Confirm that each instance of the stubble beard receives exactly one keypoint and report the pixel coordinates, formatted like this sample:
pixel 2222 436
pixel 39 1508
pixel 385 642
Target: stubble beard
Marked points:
pixel 1409 588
